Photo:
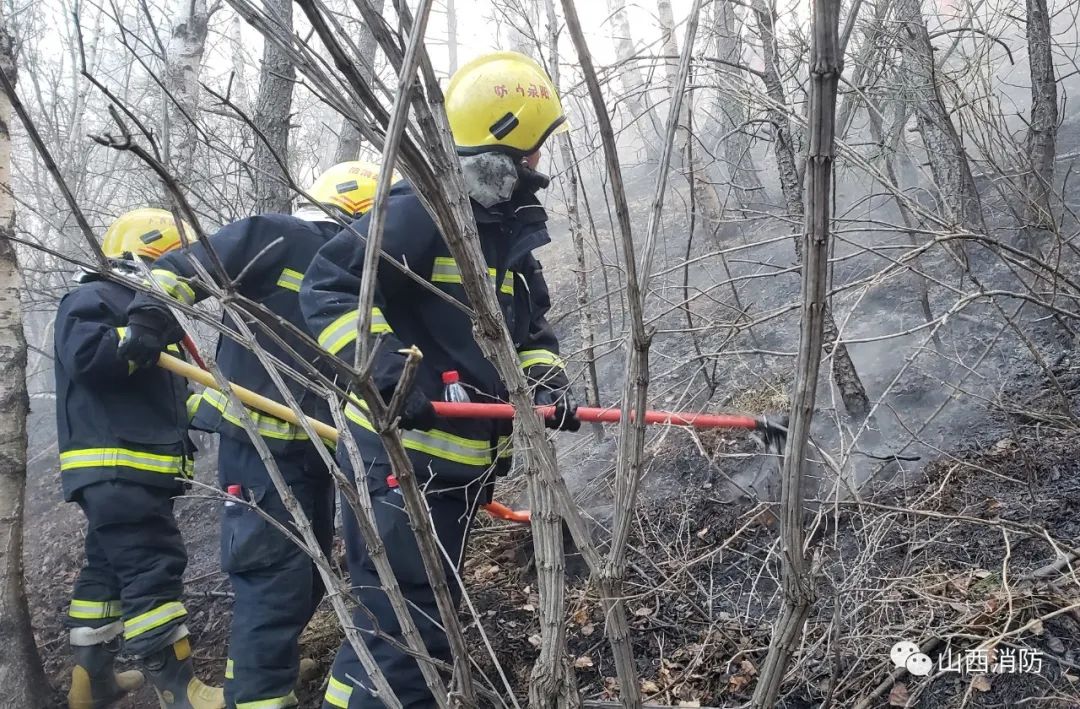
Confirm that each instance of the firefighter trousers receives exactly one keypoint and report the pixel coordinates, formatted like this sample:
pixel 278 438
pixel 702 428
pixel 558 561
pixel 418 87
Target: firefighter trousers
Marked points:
pixel 135 561
pixel 275 584
pixel 452 512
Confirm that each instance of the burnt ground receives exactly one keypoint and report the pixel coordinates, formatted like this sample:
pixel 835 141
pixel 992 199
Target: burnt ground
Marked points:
pixel 951 561
pixel 948 559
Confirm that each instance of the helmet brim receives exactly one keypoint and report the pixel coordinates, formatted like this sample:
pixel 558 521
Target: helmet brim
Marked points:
pixel 559 125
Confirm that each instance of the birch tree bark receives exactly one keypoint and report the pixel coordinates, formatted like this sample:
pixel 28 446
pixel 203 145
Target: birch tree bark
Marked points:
pixel 634 86
pixel 183 63
pixel 241 93
pixel 349 140
pixel 21 675
pixel 845 376
pixel 958 197
pixel 451 36
pixel 796 582
pixel 733 112
pixel 783 142
pixel 1042 129
pixel 273 111
pixel 669 47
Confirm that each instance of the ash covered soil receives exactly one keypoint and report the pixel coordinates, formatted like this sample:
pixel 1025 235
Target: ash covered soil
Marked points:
pixel 958 557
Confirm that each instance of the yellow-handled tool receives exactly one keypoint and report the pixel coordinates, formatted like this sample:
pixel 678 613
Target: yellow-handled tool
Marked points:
pixel 278 410
pixel 247 396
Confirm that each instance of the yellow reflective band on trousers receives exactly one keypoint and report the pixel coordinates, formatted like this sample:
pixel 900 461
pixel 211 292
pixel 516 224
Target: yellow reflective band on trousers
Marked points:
pixel 338 693
pixel 93 610
pixel 289 700
pixel 445 270
pixel 342 332
pixel 290 279
pixel 437 444
pixel 267 425
pixel 134 627
pixel 172 285
pixel 530 358
pixel 229 669
pixel 126 458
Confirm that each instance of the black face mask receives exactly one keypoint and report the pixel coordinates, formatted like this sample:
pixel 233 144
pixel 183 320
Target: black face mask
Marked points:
pixel 531 180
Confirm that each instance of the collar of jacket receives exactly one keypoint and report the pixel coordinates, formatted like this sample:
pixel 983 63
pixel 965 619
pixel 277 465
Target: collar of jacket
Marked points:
pixel 523 207
pixel 309 213
pixel 120 267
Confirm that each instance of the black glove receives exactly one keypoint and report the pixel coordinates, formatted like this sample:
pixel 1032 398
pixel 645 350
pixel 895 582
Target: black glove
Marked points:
pixel 417 414
pixel 149 331
pixel 553 389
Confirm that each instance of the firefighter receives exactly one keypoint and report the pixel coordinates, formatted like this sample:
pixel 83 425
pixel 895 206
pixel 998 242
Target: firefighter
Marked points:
pixel 124 455
pixel 498 132
pixel 275 583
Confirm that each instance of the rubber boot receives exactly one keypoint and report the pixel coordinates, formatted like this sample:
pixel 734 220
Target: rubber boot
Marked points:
pixel 94 683
pixel 172 674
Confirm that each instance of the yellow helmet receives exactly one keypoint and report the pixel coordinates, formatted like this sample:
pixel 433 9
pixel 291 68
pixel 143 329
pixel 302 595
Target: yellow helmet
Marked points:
pixel 505 102
pixel 146 232
pixel 349 186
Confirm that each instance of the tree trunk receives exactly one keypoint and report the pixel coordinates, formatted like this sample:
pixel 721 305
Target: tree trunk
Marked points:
pixel 241 91
pixel 1042 129
pixel 273 111
pixel 183 62
pixel 21 675
pixel 577 236
pixel 552 681
pixel 887 150
pixel 349 140
pixel 825 68
pixel 451 36
pixel 700 176
pixel 783 144
pixel 733 111
pixel 959 200
pixel 845 376
pixel 635 88
pixel 669 47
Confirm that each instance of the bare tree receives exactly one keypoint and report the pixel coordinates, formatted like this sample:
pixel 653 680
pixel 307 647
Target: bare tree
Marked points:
pixel 732 110
pixel 577 234
pixel 826 65
pixel 846 377
pixel 783 139
pixel 634 84
pixel 273 111
pixel 451 37
pixel 958 196
pixel 183 64
pixel 21 674
pixel 349 138
pixel 1042 128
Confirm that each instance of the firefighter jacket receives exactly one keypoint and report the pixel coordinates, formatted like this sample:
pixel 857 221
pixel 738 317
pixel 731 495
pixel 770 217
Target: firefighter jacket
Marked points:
pixel 265 256
pixel 406 313
pixel 113 422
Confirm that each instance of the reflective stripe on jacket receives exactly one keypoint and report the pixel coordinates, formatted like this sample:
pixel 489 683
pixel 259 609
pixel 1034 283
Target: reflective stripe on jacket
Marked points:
pixel 113 422
pixel 405 313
